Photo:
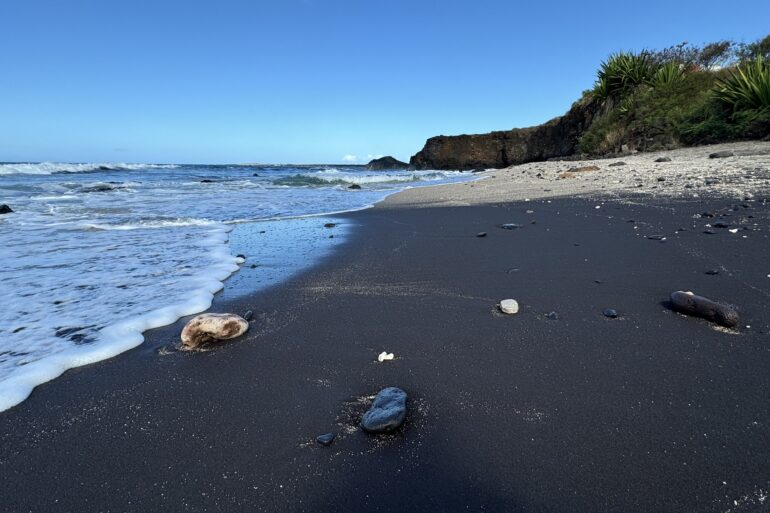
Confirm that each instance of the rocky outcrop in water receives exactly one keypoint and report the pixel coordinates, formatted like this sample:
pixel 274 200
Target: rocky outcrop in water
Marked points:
pixel 555 138
pixel 386 163
pixel 5 209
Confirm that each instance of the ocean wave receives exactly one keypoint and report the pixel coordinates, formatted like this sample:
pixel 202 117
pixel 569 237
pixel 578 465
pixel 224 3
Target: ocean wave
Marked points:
pixel 49 168
pixel 330 177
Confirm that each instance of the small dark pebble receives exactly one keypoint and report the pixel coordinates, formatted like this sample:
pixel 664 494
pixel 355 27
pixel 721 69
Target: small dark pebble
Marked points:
pixel 330 225
pixel 663 159
pixel 707 214
pixel 616 164
pixel 510 226
pixel 553 316
pixel 661 178
pixel 255 174
pixel 721 155
pixel 248 315
pixel 240 255
pixel 5 209
pixel 481 234
pixel 709 232
pixel 325 440
pixel 712 272
pixel 720 225
pixel 656 237
pixel 206 180
pixel 611 313
pixel 253 266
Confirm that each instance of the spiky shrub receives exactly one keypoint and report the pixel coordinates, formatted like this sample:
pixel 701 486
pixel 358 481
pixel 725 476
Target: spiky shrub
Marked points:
pixel 622 72
pixel 669 73
pixel 746 87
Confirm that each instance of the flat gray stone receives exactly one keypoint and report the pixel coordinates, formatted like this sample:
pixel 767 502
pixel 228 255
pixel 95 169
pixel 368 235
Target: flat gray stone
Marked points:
pixel 387 413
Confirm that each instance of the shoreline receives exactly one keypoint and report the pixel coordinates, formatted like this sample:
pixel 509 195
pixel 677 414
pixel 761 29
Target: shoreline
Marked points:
pixel 582 413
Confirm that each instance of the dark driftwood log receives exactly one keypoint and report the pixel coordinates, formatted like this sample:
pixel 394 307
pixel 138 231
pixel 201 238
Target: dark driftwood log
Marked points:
pixel 703 307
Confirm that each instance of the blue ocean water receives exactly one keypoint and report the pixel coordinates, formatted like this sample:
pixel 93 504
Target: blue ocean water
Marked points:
pixel 95 254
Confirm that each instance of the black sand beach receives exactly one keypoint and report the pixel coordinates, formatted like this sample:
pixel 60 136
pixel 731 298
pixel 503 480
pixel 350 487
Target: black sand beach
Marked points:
pixel 649 412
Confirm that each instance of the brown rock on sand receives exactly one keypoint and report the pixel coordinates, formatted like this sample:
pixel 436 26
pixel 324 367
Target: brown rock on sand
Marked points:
pixel 211 327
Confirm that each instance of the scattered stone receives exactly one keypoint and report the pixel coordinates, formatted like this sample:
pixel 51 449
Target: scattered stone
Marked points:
pixel 509 306
pixel 611 313
pixel 510 226
pixel 206 180
pixel 721 155
pixel 354 186
pixel 699 306
pixel 325 440
pixel 552 316
pixel 330 225
pixel 248 315
pixel 211 327
pixel 709 232
pixel 5 209
pixel 663 159
pixel 255 174
pixel 387 413
pixel 712 272
pixel 383 356
pixel 617 164
pixel 661 178
pixel 657 237
pixel 720 225
pixel 240 255
pixel 481 234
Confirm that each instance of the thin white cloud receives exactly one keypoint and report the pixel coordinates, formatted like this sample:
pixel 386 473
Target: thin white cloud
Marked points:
pixel 349 158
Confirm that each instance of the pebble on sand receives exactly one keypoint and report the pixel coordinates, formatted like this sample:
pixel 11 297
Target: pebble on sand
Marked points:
pixel 509 306
pixel 699 306
pixel 387 413
pixel 481 234
pixel 211 327
pixel 326 439
pixel 721 154
pixel 385 356
pixel 611 313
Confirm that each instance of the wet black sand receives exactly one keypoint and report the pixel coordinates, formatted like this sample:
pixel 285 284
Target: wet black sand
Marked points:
pixel 650 412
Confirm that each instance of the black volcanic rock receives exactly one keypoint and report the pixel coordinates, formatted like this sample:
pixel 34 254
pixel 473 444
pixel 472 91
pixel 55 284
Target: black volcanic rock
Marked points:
pixel 5 209
pixel 555 138
pixel 385 163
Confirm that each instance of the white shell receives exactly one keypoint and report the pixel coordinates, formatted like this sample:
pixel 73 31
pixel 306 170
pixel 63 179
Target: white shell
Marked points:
pixel 385 356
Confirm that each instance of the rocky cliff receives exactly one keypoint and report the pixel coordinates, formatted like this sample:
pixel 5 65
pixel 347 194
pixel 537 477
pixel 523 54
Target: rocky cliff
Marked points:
pixel 555 138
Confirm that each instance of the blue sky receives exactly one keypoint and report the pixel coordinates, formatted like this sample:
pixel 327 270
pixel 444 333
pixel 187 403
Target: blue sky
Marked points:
pixel 310 80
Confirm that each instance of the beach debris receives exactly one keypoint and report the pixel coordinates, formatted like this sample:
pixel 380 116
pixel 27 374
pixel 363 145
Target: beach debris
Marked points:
pixel 354 186
pixel 712 272
pixel 720 225
pixel 383 356
pixel 481 234
pixel 509 306
pixel 5 209
pixel 330 225
pixel 661 179
pixel 248 315
pixel 325 439
pixel 663 159
pixel 552 316
pixel 387 413
pixel 699 306
pixel 211 327
pixel 721 154
pixel 611 313
pixel 657 237
pixel 733 230
pixel 510 226
pixel 617 164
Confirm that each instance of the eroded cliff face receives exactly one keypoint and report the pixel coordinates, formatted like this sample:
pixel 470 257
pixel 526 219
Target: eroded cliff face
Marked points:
pixel 555 138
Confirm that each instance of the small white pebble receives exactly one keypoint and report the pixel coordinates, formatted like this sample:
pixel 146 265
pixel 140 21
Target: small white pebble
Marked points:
pixel 509 306
pixel 385 356
pixel 733 230
pixel 597 207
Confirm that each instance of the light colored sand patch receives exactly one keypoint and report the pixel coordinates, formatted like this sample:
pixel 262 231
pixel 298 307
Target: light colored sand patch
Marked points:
pixel 691 173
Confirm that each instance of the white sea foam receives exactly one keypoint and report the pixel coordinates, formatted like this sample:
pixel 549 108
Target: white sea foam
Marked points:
pixel 47 168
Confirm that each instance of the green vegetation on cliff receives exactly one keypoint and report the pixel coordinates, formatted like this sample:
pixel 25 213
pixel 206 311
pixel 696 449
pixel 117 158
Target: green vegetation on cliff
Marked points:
pixel 682 95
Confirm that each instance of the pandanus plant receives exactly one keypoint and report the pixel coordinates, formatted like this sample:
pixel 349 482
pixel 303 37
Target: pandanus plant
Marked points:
pixel 746 87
